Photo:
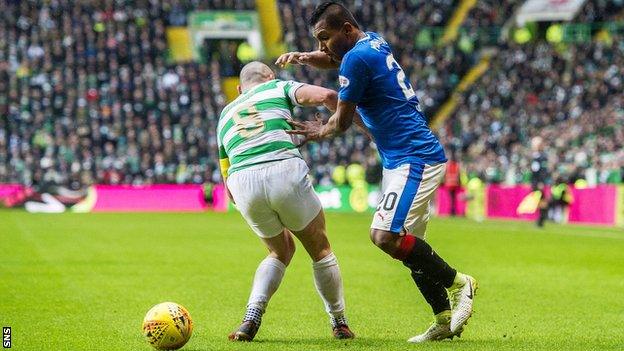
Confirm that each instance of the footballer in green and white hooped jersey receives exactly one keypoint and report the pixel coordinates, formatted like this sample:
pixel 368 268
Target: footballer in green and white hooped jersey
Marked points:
pixel 268 180
pixel 251 129
pixel 252 136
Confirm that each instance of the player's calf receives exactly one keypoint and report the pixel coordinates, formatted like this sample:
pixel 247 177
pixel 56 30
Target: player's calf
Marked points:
pixel 266 281
pixel 327 276
pixel 434 293
pixel 418 255
pixel 328 282
pixel 425 263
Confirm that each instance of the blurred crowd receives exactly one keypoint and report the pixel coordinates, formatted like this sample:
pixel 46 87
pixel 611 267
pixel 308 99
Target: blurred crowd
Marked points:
pixel 89 95
pixel 571 97
pixel 601 11
pixel 490 13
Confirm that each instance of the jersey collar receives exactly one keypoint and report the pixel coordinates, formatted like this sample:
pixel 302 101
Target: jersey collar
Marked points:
pixel 363 39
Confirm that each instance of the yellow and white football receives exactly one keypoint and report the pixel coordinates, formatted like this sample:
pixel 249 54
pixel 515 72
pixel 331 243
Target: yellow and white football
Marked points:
pixel 167 326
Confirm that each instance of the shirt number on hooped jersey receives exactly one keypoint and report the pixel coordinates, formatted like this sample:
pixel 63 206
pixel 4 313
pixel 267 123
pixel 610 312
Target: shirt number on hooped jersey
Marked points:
pixel 401 79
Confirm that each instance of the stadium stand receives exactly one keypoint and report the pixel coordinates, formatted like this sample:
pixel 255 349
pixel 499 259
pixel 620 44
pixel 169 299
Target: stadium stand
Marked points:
pixel 569 98
pixel 490 13
pixel 601 10
pixel 92 97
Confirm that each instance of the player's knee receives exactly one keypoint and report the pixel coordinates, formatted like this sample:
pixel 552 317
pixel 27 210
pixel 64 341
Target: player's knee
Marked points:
pixel 285 256
pixel 384 240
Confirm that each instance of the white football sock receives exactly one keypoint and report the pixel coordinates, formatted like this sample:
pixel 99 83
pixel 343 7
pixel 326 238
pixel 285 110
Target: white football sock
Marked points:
pixel 266 281
pixel 328 283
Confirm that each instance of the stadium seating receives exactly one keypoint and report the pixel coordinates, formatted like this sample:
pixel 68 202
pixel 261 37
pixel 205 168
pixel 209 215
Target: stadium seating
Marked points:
pixel 92 98
pixel 569 97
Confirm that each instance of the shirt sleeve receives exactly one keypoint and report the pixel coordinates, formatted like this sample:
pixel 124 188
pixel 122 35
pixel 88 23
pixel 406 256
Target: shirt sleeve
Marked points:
pixel 224 160
pixel 290 88
pixel 354 78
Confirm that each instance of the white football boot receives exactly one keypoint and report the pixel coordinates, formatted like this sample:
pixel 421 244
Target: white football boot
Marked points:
pixel 461 296
pixel 440 329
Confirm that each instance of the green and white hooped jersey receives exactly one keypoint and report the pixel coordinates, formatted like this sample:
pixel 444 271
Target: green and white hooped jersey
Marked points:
pixel 252 128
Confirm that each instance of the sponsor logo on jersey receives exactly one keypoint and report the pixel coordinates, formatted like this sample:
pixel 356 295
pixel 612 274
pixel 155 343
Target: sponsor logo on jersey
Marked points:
pixel 344 81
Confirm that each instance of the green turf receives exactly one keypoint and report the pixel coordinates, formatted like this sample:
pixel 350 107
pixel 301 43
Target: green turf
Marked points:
pixel 84 282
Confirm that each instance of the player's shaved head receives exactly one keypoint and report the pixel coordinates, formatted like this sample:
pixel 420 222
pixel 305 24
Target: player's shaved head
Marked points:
pixel 334 14
pixel 255 73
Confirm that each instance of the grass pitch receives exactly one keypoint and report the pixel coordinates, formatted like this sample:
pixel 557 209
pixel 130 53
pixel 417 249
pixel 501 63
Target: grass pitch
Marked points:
pixel 84 282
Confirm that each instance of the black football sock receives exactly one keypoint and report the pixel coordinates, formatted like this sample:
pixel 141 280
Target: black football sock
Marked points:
pixel 423 259
pixel 434 293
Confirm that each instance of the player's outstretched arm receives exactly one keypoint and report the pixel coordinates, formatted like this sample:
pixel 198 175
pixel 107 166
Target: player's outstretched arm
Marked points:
pixel 313 95
pixel 338 123
pixel 316 59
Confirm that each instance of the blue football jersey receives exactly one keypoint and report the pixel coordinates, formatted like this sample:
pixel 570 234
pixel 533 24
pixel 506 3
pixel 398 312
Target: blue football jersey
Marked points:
pixel 371 78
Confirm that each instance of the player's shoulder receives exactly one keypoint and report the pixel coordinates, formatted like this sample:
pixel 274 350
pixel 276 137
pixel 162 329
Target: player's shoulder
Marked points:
pixel 375 41
pixel 225 113
pixel 287 83
pixel 229 106
pixel 368 49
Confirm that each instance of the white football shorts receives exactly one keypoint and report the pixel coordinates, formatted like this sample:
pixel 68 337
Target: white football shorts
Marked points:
pixel 275 195
pixel 407 193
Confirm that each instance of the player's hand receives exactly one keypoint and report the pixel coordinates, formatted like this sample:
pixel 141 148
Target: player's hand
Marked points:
pixel 311 130
pixel 294 58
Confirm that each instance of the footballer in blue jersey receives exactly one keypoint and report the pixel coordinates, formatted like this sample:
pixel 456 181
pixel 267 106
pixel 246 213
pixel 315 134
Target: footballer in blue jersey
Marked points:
pixel 371 78
pixel 376 95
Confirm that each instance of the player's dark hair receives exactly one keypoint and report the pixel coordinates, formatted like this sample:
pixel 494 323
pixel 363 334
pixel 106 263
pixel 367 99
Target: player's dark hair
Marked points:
pixel 334 13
